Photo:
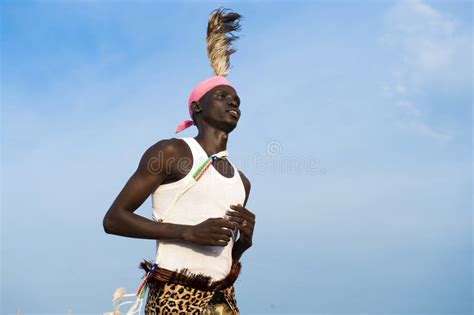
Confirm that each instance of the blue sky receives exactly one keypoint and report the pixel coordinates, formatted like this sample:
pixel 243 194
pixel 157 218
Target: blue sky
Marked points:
pixel 356 133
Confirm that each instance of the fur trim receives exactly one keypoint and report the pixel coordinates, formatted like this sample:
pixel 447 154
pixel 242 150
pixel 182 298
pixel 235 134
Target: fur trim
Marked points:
pixel 197 281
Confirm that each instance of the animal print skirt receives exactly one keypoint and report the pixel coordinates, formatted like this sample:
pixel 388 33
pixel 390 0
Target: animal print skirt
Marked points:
pixel 169 298
pixel 181 292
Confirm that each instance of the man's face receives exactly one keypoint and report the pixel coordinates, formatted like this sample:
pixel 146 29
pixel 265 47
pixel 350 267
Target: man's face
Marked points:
pixel 220 108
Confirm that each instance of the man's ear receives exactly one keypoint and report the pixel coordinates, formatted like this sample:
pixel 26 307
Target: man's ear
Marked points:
pixel 195 107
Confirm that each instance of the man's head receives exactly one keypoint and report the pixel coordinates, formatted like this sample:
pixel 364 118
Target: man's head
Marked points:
pixel 213 92
pixel 219 108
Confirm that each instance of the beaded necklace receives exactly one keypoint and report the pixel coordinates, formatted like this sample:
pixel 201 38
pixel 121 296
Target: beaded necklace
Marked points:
pixel 200 171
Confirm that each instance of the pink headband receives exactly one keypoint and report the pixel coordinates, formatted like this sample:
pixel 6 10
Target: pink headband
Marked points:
pixel 202 88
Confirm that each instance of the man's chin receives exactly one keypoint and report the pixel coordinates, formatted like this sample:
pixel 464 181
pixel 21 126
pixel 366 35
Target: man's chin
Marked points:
pixel 229 127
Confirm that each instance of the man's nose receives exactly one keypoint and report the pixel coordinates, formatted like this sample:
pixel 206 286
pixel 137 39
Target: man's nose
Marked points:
pixel 234 103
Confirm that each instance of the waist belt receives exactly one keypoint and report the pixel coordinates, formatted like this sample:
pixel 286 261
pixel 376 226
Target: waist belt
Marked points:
pixel 189 279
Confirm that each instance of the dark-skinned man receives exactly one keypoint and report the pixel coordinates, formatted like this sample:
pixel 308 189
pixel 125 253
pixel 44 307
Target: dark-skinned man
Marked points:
pixel 200 219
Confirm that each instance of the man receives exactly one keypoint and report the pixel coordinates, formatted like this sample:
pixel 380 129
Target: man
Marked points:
pixel 199 198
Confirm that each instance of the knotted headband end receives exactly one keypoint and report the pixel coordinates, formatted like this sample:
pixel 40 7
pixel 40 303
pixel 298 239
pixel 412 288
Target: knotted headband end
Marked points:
pixel 183 125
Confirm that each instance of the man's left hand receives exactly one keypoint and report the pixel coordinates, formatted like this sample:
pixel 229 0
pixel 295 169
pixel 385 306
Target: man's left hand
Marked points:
pixel 244 219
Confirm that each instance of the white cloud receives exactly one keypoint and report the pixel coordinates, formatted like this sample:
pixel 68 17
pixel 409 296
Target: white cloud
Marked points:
pixel 422 128
pixel 429 42
pixel 409 108
pixel 433 53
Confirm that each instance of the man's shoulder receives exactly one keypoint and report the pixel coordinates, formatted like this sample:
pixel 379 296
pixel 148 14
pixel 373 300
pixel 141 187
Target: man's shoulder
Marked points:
pixel 166 149
pixel 171 145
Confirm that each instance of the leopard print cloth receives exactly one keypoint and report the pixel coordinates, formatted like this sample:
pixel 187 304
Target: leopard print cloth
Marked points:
pixel 169 298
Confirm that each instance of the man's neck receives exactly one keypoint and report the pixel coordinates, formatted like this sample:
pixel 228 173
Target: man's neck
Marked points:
pixel 212 140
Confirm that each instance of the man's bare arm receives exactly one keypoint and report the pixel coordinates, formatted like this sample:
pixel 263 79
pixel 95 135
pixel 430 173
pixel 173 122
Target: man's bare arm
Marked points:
pixel 240 247
pixel 156 164
pixel 247 186
pixel 121 219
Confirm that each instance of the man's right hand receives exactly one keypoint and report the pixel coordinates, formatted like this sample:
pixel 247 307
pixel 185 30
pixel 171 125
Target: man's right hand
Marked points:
pixel 212 232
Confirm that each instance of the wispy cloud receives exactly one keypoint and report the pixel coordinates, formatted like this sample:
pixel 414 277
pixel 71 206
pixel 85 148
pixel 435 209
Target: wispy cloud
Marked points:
pixel 433 53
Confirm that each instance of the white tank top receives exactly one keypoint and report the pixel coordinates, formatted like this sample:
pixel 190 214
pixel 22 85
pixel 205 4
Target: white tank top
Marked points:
pixel 210 197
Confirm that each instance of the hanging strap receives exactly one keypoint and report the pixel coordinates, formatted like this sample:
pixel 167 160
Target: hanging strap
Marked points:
pixel 192 181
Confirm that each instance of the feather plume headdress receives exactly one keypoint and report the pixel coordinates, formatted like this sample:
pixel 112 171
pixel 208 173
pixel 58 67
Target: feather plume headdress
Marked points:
pixel 220 37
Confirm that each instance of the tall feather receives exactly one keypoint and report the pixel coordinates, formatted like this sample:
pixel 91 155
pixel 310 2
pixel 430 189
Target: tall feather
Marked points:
pixel 222 22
